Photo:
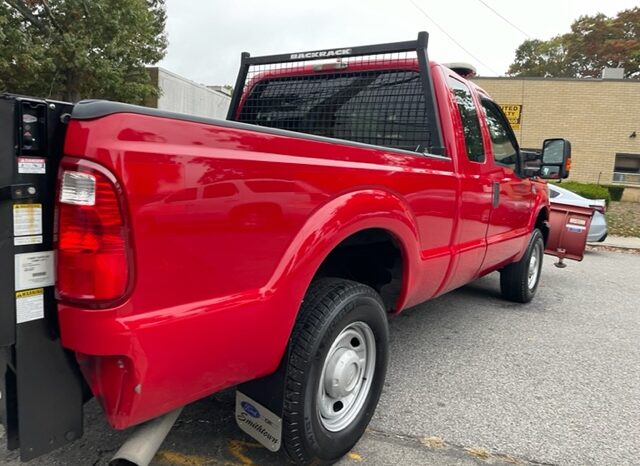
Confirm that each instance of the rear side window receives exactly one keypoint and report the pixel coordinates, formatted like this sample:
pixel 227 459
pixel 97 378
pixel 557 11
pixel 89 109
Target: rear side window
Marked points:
pixel 384 108
pixel 470 123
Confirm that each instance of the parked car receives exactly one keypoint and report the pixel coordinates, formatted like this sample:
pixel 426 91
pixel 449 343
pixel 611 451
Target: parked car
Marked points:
pixel 598 230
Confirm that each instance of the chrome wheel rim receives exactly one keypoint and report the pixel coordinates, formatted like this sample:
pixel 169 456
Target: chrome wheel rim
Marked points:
pixel 346 377
pixel 534 268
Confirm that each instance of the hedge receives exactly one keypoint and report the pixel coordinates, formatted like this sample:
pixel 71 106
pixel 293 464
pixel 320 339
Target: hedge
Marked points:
pixel 588 190
pixel 615 192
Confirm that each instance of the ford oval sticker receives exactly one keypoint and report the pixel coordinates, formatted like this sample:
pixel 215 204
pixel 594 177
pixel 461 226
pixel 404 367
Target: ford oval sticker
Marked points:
pixel 250 409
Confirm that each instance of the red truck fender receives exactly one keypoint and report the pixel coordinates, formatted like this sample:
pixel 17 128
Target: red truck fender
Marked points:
pixel 540 219
pixel 333 223
pixel 539 212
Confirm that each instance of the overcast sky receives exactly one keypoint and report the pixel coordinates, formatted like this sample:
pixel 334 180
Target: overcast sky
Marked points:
pixel 206 37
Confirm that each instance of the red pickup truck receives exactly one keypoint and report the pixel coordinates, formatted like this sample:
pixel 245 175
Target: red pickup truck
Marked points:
pixel 266 250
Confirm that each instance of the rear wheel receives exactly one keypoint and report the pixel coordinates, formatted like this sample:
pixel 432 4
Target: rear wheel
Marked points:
pixel 335 372
pixel 519 281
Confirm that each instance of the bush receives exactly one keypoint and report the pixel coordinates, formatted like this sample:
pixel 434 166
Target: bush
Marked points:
pixel 615 192
pixel 588 190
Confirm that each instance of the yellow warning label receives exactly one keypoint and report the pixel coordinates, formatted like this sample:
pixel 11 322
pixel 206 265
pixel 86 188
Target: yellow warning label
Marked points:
pixel 29 305
pixel 513 112
pixel 27 293
pixel 27 219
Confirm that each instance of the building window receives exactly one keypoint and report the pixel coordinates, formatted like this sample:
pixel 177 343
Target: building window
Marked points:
pixel 627 169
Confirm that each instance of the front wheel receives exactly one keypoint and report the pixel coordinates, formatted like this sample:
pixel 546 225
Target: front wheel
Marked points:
pixel 336 369
pixel 519 281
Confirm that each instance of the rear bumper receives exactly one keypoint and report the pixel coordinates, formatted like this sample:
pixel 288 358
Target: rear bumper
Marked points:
pixel 144 365
pixel 598 230
pixel 597 238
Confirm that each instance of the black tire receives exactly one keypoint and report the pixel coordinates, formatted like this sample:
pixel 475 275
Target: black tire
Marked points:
pixel 332 308
pixel 514 278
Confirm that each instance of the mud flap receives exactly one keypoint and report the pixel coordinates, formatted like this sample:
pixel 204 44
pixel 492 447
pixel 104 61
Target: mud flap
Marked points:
pixel 568 230
pixel 258 421
pixel 259 407
pixel 41 387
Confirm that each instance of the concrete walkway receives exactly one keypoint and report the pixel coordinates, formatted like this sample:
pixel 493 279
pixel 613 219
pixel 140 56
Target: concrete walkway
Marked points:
pixel 623 242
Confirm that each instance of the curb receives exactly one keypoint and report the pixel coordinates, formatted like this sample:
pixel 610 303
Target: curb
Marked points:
pixel 612 248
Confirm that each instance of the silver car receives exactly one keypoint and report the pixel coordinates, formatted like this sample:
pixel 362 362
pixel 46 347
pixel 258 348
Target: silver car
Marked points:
pixel 598 230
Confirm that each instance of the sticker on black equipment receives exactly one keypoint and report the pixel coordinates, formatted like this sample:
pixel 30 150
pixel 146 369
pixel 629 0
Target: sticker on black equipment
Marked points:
pixel 32 165
pixel 27 219
pixel 34 270
pixel 29 305
pixel 27 240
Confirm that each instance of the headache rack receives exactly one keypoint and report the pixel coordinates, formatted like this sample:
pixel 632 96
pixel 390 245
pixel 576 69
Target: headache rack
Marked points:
pixel 377 94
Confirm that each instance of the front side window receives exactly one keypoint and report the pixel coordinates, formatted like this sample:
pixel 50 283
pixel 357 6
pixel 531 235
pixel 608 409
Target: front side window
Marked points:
pixel 384 108
pixel 505 150
pixel 469 117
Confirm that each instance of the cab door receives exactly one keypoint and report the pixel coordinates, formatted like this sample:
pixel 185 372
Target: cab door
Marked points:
pixel 512 195
pixel 474 169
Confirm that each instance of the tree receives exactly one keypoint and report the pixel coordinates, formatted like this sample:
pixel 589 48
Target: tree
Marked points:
pixel 75 49
pixel 538 58
pixel 595 42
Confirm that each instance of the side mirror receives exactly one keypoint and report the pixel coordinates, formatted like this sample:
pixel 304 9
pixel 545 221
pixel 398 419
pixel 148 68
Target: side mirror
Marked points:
pixel 556 159
pixel 530 162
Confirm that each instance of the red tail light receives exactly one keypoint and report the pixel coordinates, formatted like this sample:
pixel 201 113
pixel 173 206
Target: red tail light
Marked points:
pixel 93 241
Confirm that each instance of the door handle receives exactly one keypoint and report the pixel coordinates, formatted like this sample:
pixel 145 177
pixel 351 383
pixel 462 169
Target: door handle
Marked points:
pixel 496 194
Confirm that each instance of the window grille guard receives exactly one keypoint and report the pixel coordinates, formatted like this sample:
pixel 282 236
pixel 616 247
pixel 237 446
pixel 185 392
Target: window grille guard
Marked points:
pixel 381 57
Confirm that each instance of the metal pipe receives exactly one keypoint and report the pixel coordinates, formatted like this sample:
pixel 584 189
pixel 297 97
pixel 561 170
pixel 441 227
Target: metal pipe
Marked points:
pixel 141 447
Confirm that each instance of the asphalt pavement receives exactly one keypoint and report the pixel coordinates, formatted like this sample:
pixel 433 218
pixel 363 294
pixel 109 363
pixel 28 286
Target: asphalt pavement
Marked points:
pixel 472 380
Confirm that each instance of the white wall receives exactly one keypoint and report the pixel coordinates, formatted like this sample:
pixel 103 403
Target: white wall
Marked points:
pixel 181 95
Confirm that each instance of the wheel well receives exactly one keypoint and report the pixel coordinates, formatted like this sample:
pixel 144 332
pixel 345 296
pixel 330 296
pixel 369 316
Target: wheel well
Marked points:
pixel 372 257
pixel 543 225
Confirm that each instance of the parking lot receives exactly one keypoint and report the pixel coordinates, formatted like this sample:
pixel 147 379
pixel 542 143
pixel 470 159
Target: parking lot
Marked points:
pixel 472 380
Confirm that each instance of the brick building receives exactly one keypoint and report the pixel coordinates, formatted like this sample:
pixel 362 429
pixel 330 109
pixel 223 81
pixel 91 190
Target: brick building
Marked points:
pixel 601 118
